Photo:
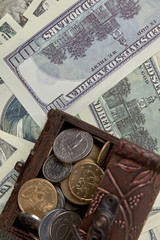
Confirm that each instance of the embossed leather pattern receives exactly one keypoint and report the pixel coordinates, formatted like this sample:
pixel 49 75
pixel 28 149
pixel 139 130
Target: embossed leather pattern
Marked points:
pixel 131 176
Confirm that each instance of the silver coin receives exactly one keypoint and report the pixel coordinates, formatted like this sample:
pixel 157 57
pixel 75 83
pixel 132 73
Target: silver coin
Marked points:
pixel 72 145
pixel 63 224
pixel 29 222
pixel 46 223
pixel 61 198
pixel 55 170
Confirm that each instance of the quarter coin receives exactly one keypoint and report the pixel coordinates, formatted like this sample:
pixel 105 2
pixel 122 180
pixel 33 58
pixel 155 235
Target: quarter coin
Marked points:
pixel 55 170
pixel 37 196
pixel 72 145
pixel 63 224
pixel 84 180
pixel 46 223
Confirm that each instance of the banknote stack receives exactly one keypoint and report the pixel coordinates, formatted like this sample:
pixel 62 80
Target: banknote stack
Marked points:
pixel 96 59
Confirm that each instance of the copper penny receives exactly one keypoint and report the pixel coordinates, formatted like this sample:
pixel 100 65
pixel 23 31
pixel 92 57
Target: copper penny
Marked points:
pixel 72 145
pixel 84 180
pixel 37 196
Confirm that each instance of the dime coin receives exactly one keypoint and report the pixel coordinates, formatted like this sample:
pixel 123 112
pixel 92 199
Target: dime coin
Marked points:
pixel 37 196
pixel 84 180
pixel 54 170
pixel 29 222
pixel 67 193
pixel 61 198
pixel 63 224
pixel 72 145
pixel 46 223
pixel 103 153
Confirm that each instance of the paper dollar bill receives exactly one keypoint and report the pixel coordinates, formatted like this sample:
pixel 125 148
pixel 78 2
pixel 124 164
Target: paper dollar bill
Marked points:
pixel 153 234
pixel 6 187
pixel 8 28
pixel 15 8
pixel 38 7
pixel 56 65
pixel 131 108
pixel 12 149
pixel 14 119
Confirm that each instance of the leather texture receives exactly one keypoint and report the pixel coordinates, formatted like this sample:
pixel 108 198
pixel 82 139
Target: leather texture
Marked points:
pixel 132 174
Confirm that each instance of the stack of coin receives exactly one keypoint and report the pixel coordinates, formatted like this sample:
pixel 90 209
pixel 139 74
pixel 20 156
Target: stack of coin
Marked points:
pixel 71 176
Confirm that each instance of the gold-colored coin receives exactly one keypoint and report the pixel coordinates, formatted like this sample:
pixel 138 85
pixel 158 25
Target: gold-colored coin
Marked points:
pixel 94 153
pixel 67 193
pixel 85 160
pixel 37 196
pixel 103 153
pixel 84 180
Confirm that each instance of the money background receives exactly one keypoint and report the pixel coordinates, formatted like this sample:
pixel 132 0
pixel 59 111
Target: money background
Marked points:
pixel 15 119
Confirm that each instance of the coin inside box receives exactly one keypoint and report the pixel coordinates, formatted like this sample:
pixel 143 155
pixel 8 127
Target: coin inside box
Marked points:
pixel 132 175
pixel 57 122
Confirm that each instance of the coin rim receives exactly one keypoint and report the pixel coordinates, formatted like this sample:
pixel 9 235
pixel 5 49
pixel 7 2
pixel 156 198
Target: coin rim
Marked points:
pixel 77 159
pixel 36 179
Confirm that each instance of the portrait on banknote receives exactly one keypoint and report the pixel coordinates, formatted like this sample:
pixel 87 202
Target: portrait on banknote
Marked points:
pixel 15 8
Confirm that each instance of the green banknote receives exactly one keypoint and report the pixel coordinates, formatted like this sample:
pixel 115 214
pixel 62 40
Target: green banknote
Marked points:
pixel 76 47
pixel 131 109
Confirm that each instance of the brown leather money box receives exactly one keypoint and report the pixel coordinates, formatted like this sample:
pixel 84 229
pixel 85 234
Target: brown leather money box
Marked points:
pixel 132 175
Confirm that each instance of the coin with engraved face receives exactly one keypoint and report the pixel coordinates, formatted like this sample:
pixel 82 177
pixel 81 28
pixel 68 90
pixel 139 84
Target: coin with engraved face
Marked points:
pixel 37 196
pixel 72 144
pixel 55 170
pixel 29 222
pixel 46 223
pixel 67 193
pixel 63 224
pixel 84 180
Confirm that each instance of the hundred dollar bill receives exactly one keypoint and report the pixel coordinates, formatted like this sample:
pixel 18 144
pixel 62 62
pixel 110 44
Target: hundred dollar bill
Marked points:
pixel 14 119
pixel 38 7
pixel 15 8
pixel 6 187
pixel 153 234
pixel 8 28
pixel 12 149
pixel 54 65
pixel 131 109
